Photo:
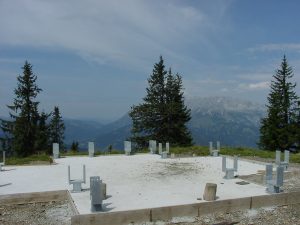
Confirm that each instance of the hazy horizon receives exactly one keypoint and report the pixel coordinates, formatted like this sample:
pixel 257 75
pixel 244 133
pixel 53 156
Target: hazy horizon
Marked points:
pixel 93 58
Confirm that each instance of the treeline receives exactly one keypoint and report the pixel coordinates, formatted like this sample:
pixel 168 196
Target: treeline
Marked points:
pixel 161 116
pixel 29 131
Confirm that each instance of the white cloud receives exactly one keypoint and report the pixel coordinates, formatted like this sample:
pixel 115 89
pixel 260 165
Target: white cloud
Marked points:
pixel 255 76
pixel 128 32
pixel 264 85
pixel 276 47
pixel 260 85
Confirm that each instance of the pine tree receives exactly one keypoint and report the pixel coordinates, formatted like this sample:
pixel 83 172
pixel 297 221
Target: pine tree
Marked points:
pixel 178 114
pixel 57 128
pixel 21 130
pixel 162 116
pixel 43 134
pixel 278 128
pixel 6 141
pixel 74 146
pixel 147 116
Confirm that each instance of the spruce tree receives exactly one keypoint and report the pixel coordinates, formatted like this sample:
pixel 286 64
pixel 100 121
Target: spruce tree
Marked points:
pixel 162 116
pixel 177 113
pixel 6 140
pixel 57 128
pixel 74 146
pixel 148 117
pixel 21 130
pixel 278 128
pixel 43 134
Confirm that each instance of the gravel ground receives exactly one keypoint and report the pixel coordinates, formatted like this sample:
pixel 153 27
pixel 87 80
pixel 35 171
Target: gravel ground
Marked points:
pixel 50 213
pixel 284 215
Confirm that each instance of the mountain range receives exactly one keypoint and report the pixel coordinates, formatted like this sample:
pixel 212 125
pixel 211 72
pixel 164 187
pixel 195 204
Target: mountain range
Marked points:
pixel 231 121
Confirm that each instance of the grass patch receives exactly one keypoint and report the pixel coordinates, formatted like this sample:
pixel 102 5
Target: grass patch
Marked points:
pixel 71 153
pixel 198 150
pixel 86 153
pixel 240 151
pixel 247 152
pixel 295 158
pixel 34 159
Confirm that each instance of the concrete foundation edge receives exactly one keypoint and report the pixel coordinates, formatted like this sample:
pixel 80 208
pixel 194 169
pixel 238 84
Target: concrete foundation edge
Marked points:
pixel 190 210
pixel 33 197
pixel 71 201
pixel 123 217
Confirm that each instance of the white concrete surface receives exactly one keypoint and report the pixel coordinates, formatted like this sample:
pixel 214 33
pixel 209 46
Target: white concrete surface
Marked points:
pixel 134 182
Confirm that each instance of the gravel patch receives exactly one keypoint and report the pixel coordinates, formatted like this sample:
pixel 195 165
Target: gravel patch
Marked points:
pixel 283 215
pixel 49 213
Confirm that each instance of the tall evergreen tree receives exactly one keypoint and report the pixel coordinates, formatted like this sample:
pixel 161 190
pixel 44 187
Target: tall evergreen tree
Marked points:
pixel 21 130
pixel 177 113
pixel 278 128
pixel 147 116
pixel 6 141
pixel 43 134
pixel 57 128
pixel 162 116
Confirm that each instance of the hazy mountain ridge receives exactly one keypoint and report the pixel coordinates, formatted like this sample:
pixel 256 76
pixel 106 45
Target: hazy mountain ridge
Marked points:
pixel 81 131
pixel 232 121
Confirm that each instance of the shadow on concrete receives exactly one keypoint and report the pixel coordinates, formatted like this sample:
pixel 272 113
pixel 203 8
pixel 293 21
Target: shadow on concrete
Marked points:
pixel 5 170
pixel 105 208
pixel 3 185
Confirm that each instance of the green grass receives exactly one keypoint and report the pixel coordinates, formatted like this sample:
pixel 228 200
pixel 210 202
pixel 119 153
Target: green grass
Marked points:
pixel 71 153
pixel 44 159
pixel 85 153
pixel 247 152
pixel 295 158
pixel 198 150
pixel 240 151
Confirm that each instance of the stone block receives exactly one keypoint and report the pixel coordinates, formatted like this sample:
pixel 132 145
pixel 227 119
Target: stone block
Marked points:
pixel 91 149
pixel 210 192
pixel 160 148
pixel 127 147
pixel 167 147
pixel 55 150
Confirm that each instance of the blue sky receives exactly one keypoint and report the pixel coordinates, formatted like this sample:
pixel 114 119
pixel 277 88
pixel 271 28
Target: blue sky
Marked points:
pixel 93 58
